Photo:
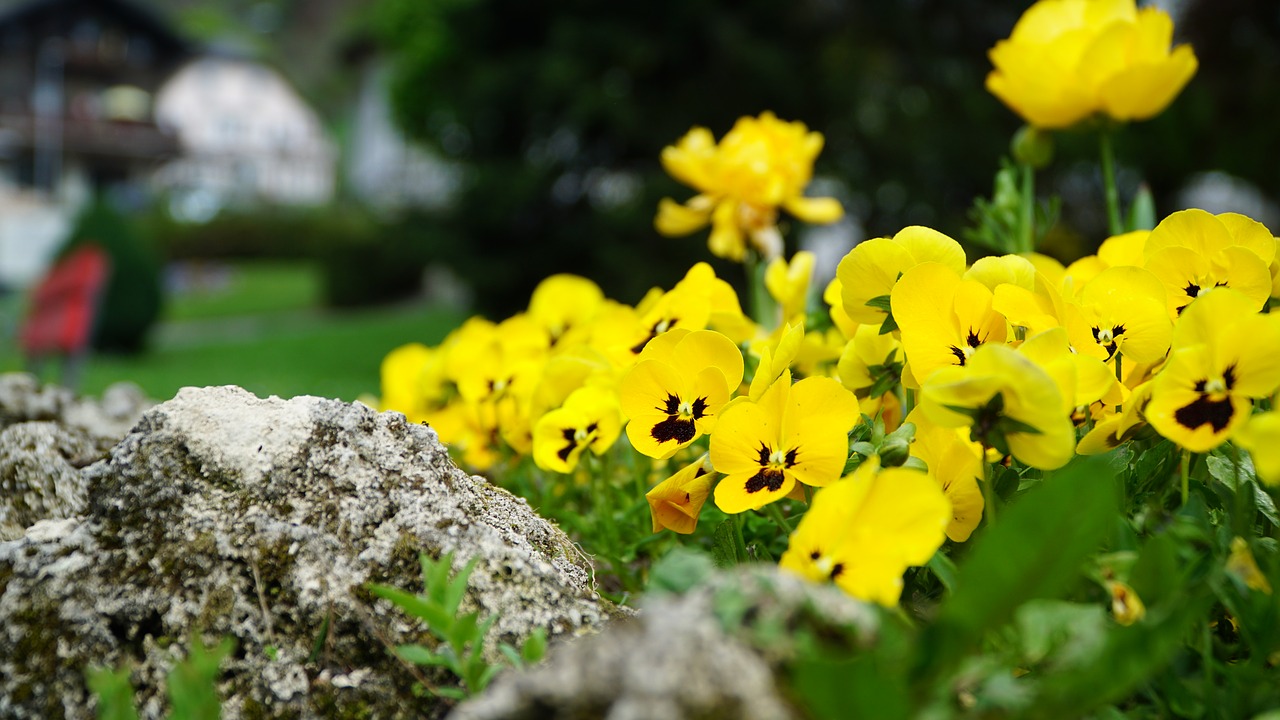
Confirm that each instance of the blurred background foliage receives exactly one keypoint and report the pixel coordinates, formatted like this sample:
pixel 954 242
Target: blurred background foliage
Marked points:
pixel 556 113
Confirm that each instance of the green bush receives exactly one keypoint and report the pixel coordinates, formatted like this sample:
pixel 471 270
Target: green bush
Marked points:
pixel 132 300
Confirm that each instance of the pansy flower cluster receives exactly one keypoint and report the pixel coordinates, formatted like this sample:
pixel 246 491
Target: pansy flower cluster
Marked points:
pixel 871 425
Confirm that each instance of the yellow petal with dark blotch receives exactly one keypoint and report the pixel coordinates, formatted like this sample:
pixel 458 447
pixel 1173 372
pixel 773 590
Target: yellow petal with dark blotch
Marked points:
pixel 924 306
pixel 1252 349
pixel 741 492
pixel 742 430
pixel 1178 268
pixel 676 502
pixel 868 271
pixel 818 211
pixel 1205 321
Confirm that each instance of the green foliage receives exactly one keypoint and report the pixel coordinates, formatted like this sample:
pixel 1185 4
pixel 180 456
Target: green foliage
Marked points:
pixel 460 636
pixel 191 686
pixel 131 301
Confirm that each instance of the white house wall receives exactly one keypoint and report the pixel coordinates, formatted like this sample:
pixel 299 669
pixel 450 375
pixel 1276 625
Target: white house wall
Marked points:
pixel 246 136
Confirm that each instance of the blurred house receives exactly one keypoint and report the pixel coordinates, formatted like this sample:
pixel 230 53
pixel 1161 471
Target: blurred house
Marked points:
pixel 383 169
pixel 76 84
pixel 247 138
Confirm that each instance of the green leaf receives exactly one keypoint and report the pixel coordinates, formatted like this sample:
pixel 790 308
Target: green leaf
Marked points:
pixel 419 655
pixel 192 684
pixel 452 693
pixel 535 646
pixel 861 687
pixel 1142 213
pixel 728 548
pixel 889 325
pixel 679 571
pixel 1033 551
pixel 114 693
pixel 944 569
pixel 512 655
pixel 1073 633
pixel 457 587
pixel 317 646
pixel 465 631
pixel 437 620
pixel 879 302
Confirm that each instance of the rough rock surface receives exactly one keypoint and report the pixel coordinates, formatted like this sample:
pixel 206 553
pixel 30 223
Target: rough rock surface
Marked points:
pixel 104 421
pixel 46 435
pixel 263 520
pixel 709 654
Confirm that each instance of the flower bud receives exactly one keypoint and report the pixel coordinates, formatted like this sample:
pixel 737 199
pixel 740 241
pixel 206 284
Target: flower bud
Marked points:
pixel 894 451
pixel 1033 146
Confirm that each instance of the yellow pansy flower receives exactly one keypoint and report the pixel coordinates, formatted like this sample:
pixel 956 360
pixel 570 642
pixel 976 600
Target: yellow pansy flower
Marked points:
pixel 1082 380
pixel 869 271
pixel 792 433
pixel 412 381
pixel 674 503
pixel 871 363
pixel 956 464
pixel 1193 252
pixel 864 531
pixel 564 303
pixel 1122 309
pixel 673 396
pixel 1114 428
pixel 995 271
pixel 1261 437
pixel 1223 354
pixel 831 295
pixel 759 166
pixel 1126 607
pixel 1242 565
pixel 943 318
pixel 1008 403
pixel 589 418
pixel 1069 59
pixel 1125 249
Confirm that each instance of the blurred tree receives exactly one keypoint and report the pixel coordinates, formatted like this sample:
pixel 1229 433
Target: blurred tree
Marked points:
pixel 560 109
pixel 131 302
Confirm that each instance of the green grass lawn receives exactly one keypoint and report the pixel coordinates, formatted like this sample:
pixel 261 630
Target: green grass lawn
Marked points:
pixel 265 333
pixel 253 288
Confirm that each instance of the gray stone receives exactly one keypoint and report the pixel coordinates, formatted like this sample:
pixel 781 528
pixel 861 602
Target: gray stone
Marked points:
pixel 263 520
pixel 105 421
pixel 709 654
pixel 40 474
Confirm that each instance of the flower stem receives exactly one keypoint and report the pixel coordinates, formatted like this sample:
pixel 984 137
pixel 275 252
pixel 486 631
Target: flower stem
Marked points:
pixel 988 489
pixel 1109 182
pixel 1027 225
pixel 1184 468
pixel 776 514
pixel 763 309
pixel 1119 376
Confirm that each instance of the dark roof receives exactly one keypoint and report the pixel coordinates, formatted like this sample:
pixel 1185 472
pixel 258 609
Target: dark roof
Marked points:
pixel 168 41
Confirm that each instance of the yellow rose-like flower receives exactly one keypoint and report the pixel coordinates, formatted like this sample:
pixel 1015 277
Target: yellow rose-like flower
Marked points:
pixel 1069 59
pixel 864 531
pixel 759 166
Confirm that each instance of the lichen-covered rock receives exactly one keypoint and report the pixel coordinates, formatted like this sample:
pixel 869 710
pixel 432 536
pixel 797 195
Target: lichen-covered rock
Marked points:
pixel 40 474
pixel 104 421
pixel 710 654
pixel 263 520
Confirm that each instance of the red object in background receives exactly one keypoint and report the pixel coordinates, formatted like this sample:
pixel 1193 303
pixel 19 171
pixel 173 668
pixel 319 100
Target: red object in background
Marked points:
pixel 65 304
